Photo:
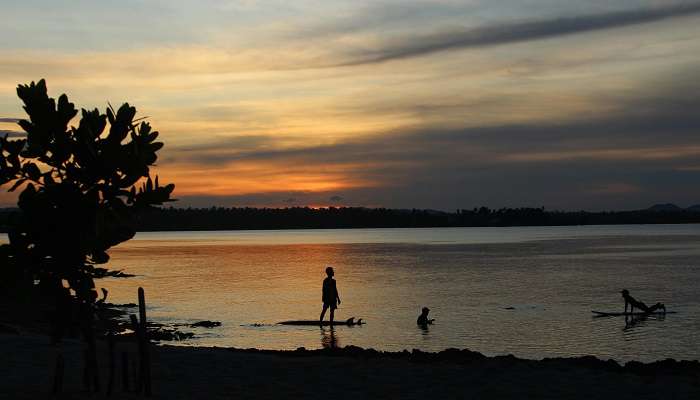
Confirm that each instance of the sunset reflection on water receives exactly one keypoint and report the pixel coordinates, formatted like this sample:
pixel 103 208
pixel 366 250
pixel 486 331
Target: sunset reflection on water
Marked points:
pixel 531 298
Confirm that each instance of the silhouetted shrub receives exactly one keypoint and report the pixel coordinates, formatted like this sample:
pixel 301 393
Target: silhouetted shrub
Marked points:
pixel 81 188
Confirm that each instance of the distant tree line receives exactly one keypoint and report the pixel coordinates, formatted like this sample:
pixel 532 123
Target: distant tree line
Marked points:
pixel 219 218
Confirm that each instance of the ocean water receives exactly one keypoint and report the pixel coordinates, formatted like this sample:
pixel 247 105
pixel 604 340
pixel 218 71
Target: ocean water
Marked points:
pixel 527 291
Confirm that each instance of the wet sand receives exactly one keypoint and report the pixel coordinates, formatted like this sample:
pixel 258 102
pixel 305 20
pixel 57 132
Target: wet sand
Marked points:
pixel 221 373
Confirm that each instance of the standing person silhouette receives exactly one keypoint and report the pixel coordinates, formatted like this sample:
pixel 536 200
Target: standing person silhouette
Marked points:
pixel 330 296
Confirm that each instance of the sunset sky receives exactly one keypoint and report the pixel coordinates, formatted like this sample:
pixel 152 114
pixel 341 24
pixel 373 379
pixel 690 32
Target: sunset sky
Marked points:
pixel 436 104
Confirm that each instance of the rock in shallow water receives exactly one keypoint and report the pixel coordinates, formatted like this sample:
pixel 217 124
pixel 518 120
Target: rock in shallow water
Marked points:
pixel 205 324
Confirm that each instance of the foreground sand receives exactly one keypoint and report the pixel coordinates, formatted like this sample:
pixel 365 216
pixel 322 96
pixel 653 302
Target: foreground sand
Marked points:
pixel 217 373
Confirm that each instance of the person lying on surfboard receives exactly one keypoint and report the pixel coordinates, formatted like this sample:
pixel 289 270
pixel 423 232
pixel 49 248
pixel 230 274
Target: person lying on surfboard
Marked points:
pixel 330 296
pixel 634 303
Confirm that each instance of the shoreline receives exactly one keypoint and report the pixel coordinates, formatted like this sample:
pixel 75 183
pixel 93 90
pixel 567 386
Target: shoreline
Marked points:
pixel 667 366
pixel 449 354
pixel 695 220
pixel 181 372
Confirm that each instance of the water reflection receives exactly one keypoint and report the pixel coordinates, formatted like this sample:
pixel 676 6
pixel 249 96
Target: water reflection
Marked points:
pixel 424 331
pixel 329 340
pixel 224 280
pixel 638 321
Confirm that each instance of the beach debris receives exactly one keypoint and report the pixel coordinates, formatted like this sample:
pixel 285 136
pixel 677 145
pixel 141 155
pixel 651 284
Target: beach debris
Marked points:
pixel 157 331
pixel 116 321
pixel 169 334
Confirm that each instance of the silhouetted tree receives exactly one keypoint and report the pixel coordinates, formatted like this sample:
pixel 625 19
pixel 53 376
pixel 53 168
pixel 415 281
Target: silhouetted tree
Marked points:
pixel 81 188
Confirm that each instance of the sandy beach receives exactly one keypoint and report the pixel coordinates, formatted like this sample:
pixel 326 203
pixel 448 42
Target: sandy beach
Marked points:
pixel 347 373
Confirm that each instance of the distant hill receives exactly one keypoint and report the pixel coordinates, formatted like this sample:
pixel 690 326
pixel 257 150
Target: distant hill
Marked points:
pixel 668 207
pixel 695 208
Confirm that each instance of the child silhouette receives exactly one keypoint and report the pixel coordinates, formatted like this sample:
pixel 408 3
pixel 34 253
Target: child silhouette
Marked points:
pixel 330 296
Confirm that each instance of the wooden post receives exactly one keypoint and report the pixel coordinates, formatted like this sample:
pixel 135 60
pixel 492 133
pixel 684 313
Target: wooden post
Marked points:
pixel 137 376
pixel 58 375
pixel 94 372
pixel 137 368
pixel 144 345
pixel 87 377
pixel 112 362
pixel 91 375
pixel 125 371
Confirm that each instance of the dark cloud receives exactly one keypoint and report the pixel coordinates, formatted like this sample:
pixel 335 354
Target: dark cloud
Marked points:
pixel 244 142
pixel 461 38
pixel 637 128
pixel 335 199
pixel 382 16
pixel 9 120
pixel 223 150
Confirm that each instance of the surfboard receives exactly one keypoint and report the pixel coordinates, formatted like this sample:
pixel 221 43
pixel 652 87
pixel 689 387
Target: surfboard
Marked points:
pixel 347 322
pixel 631 314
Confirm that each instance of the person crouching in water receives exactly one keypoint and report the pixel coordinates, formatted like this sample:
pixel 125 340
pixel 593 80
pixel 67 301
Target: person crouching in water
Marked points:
pixel 330 296
pixel 634 303
pixel 423 319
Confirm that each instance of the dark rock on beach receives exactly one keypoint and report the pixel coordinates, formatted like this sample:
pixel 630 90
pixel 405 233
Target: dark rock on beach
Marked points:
pixel 168 334
pixel 205 324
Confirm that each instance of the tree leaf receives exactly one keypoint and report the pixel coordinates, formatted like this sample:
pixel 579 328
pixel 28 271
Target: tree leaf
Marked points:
pixel 31 171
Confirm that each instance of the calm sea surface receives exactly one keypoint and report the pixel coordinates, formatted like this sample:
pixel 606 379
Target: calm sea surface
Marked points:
pixel 523 291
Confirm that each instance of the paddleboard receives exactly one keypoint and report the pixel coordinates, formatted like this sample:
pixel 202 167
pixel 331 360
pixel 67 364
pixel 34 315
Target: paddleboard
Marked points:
pixel 631 314
pixel 347 322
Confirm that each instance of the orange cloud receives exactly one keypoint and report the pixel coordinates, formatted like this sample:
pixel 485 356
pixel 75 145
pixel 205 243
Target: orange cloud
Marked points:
pixel 246 177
